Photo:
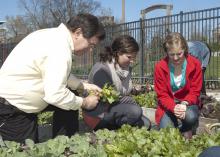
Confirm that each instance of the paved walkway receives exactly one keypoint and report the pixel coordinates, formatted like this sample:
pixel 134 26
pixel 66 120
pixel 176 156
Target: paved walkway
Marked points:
pixel 214 93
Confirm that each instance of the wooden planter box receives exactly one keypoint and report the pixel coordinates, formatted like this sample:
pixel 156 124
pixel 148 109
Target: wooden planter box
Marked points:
pixel 149 113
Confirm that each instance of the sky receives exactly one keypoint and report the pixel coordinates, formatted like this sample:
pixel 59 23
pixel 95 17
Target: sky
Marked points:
pixel 132 7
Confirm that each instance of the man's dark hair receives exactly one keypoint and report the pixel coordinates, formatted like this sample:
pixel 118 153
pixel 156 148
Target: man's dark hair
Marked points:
pixel 89 24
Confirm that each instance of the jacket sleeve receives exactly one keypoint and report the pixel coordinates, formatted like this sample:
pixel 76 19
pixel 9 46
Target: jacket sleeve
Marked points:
pixel 195 85
pixel 206 57
pixel 165 98
pixel 101 77
pixel 55 86
pixel 74 83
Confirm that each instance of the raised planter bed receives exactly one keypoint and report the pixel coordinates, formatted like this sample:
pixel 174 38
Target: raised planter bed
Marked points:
pixel 149 113
pixel 203 122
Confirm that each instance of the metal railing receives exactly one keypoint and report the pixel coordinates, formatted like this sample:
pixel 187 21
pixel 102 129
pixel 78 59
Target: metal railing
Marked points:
pixel 202 25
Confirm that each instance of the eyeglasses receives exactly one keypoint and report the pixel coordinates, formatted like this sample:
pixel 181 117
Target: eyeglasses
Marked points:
pixel 91 45
pixel 172 54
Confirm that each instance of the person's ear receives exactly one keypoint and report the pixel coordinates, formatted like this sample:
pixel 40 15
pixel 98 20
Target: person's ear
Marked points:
pixel 119 53
pixel 78 32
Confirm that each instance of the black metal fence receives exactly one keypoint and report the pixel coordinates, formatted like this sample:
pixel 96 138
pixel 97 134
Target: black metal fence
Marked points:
pixel 5 49
pixel 202 25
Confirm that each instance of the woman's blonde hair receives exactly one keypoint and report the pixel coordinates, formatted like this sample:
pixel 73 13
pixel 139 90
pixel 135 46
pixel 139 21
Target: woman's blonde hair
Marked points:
pixel 174 41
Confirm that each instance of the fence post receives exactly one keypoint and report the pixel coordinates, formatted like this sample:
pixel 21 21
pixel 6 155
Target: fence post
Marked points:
pixel 181 22
pixel 142 35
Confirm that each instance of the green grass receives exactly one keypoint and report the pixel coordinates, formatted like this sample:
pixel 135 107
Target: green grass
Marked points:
pixel 213 70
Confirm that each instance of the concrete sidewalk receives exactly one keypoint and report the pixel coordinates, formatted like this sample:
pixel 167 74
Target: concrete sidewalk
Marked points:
pixel 214 93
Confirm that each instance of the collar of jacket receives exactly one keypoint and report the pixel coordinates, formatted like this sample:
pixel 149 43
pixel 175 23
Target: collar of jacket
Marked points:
pixel 189 67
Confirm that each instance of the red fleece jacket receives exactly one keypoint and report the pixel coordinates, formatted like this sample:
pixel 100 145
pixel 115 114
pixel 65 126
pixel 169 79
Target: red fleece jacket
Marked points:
pixel 190 92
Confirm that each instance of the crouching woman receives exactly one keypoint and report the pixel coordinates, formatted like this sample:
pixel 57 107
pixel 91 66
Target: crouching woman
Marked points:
pixel 178 82
pixel 114 69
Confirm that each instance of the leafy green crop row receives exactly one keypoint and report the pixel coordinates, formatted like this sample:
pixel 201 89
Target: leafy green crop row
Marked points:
pixel 146 100
pixel 126 142
pixel 108 95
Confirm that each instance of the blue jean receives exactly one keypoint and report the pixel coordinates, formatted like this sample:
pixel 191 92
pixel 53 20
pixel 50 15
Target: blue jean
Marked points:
pixel 213 151
pixel 125 112
pixel 190 122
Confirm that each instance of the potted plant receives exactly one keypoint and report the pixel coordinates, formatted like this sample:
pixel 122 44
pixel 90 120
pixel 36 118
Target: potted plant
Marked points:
pixel 45 126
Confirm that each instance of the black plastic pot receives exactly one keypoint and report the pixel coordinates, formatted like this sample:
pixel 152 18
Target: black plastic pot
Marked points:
pixel 44 132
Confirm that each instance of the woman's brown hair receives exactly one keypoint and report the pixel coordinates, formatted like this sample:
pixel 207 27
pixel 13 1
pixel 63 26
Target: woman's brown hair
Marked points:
pixel 122 44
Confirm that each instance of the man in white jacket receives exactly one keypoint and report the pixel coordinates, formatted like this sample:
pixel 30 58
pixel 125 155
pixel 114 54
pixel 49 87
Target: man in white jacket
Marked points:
pixel 35 74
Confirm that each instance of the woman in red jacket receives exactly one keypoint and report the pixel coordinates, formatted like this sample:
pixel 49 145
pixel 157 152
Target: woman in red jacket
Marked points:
pixel 178 82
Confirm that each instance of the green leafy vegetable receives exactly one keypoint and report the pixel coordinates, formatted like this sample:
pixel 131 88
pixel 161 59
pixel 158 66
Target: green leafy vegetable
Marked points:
pixel 109 94
pixel 148 100
pixel 45 118
pixel 127 141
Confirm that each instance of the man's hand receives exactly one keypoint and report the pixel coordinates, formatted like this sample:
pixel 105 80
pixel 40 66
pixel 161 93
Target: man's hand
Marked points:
pixel 91 87
pixel 90 102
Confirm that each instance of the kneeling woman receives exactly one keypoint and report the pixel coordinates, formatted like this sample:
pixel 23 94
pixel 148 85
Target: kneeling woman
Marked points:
pixel 114 69
pixel 178 82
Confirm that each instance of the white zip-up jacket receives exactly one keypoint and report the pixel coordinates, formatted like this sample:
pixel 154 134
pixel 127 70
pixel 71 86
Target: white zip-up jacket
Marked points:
pixel 36 71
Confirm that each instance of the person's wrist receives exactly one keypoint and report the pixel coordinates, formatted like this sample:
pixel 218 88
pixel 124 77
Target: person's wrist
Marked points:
pixel 81 86
pixel 84 103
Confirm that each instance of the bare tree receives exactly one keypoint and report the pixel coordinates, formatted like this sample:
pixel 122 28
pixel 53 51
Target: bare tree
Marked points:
pixel 49 13
pixel 40 14
pixel 17 28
